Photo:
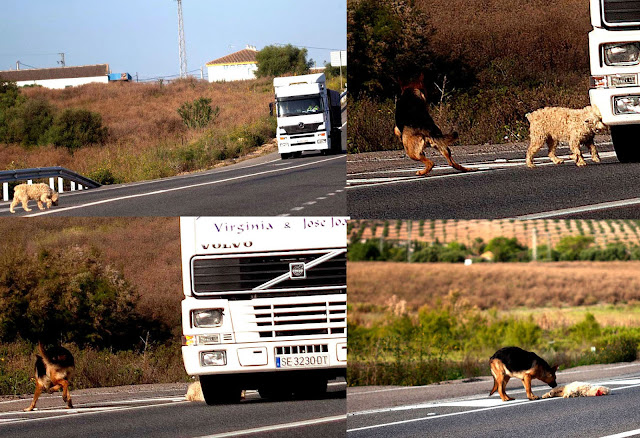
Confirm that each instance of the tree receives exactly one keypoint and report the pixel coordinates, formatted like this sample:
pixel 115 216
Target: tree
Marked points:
pixel 390 40
pixel 279 61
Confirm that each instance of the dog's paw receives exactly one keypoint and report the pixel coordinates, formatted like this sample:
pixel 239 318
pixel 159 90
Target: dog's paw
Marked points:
pixel 30 408
pixel 595 159
pixel 534 397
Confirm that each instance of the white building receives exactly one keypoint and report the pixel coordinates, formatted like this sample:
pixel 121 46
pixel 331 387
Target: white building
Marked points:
pixel 59 77
pixel 237 66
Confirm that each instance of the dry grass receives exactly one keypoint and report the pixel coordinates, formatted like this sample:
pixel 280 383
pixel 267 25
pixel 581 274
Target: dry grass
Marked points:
pixel 143 123
pixel 501 286
pixel 145 250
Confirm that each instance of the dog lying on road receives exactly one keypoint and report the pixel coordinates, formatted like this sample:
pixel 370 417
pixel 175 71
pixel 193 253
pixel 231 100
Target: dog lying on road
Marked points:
pixel 577 389
pixel 416 129
pixel 54 367
pixel 22 193
pixel 515 362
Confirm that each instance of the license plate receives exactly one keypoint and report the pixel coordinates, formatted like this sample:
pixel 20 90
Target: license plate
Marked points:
pixel 302 360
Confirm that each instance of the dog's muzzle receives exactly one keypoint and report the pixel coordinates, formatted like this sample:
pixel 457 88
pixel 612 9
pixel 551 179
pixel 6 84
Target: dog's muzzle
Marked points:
pixel 553 385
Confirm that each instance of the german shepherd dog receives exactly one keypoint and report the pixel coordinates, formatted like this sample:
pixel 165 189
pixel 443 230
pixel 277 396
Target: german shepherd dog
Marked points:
pixel 515 362
pixel 54 367
pixel 416 129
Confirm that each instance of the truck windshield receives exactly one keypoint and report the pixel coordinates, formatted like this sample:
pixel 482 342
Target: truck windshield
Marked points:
pixel 297 107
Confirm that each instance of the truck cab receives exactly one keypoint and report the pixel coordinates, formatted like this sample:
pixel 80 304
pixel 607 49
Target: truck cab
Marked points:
pixel 265 304
pixel 308 115
pixel 614 56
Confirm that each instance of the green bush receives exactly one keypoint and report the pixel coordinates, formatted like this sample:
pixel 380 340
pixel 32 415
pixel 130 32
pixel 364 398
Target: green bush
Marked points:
pixel 617 348
pixel 199 113
pixel 30 122
pixel 69 294
pixel 75 128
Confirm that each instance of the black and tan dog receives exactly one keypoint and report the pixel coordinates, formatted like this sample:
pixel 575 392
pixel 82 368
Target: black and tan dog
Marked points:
pixel 54 367
pixel 515 362
pixel 417 130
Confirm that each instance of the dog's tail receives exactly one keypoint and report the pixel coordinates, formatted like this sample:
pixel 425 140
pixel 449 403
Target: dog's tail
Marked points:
pixel 43 354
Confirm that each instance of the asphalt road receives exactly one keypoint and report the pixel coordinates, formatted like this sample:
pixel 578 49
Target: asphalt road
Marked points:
pixel 267 186
pixel 384 186
pixel 161 411
pixel 463 409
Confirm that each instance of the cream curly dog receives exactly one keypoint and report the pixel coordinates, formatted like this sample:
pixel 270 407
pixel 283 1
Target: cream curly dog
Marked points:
pixel 552 125
pixel 22 193
pixel 577 389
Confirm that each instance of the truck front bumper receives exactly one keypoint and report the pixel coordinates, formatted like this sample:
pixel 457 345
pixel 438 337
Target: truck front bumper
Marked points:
pixel 607 99
pixel 299 355
pixel 303 143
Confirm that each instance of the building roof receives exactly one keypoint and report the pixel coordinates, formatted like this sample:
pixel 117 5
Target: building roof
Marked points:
pixel 83 71
pixel 244 56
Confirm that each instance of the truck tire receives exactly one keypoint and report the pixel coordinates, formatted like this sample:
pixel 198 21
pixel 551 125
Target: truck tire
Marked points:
pixel 626 142
pixel 220 390
pixel 285 156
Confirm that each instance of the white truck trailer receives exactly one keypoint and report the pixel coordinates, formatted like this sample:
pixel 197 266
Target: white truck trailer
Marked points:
pixel 614 54
pixel 309 115
pixel 265 304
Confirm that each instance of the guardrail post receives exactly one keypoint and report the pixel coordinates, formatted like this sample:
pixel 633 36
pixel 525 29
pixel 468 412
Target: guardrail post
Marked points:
pixel 73 186
pixel 29 181
pixel 60 186
pixel 79 186
pixel 5 191
pixel 52 183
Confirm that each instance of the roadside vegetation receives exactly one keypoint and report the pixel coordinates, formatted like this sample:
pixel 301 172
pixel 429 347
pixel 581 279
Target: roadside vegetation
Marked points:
pixel 486 64
pixel 420 323
pixel 76 282
pixel 418 315
pixel 125 132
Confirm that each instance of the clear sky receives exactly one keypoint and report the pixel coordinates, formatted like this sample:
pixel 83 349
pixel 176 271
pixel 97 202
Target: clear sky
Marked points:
pixel 141 36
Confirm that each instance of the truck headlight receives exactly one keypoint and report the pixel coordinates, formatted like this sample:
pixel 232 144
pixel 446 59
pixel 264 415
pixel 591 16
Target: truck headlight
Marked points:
pixel 626 105
pixel 207 317
pixel 621 53
pixel 213 358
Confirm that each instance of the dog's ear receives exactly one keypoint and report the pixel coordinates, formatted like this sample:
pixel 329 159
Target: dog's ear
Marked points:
pixel 554 368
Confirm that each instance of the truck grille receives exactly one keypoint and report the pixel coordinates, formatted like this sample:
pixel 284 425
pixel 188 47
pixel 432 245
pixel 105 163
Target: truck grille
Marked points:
pixel 297 129
pixel 268 274
pixel 621 12
pixel 301 319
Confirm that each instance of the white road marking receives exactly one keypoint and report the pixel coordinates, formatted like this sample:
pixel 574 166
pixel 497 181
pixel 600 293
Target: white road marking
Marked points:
pixel 499 405
pixel 582 209
pixel 396 180
pixel 560 373
pixel 62 413
pixel 624 434
pixel 278 427
pixel 478 168
pixel 157 192
pixel 310 202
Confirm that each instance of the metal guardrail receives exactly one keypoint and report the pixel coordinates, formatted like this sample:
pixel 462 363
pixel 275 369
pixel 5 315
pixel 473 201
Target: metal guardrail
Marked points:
pixel 7 176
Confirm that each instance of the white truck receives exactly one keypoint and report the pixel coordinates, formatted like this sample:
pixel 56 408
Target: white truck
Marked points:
pixel 265 304
pixel 309 115
pixel 614 54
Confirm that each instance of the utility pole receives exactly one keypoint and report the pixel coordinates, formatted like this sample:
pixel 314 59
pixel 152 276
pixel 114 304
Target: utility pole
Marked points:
pixel 17 65
pixel 181 43
pixel 61 62
pixel 534 244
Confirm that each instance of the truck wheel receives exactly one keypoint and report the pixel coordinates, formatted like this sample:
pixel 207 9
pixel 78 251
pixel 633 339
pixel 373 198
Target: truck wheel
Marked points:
pixel 285 156
pixel 220 390
pixel 312 389
pixel 626 142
